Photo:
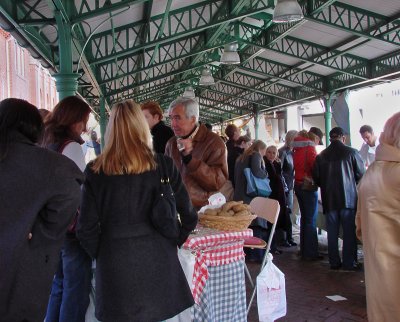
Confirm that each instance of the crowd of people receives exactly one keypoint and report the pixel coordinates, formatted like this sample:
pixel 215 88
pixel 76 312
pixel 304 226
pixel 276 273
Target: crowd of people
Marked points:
pixel 59 214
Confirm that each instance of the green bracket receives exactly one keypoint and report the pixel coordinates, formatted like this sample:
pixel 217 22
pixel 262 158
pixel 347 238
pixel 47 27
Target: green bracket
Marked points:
pixel 66 79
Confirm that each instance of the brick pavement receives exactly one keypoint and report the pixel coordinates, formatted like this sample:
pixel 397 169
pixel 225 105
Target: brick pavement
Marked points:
pixel 308 284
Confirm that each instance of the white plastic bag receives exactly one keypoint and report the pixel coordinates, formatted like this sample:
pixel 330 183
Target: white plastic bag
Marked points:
pixel 187 260
pixel 271 294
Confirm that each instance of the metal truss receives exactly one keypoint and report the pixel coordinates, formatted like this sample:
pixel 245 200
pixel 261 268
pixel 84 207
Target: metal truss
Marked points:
pixel 157 56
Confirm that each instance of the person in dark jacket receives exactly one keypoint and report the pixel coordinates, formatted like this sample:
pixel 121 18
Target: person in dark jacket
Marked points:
pixel 286 157
pixel 138 274
pixel 39 194
pixel 337 170
pixel 161 133
pixel 279 189
pixel 233 134
pixel 242 143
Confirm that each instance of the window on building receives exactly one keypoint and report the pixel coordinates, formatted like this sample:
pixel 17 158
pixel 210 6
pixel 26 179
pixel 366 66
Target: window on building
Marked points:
pixel 19 60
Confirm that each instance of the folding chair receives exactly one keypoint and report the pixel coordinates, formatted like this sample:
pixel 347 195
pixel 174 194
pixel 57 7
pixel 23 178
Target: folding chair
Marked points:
pixel 269 210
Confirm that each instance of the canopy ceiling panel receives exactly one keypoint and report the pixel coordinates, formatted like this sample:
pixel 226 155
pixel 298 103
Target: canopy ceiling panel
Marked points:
pixel 324 36
pixel 387 7
pixel 154 49
pixel 373 49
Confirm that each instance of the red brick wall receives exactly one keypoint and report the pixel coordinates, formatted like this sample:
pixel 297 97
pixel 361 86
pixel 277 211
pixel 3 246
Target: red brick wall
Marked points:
pixel 27 79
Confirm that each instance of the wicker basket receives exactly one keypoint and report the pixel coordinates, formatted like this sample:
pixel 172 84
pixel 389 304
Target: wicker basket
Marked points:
pixel 226 223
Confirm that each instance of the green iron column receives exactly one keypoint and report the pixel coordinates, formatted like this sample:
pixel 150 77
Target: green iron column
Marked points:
pixel 256 122
pixel 328 117
pixel 66 79
pixel 103 120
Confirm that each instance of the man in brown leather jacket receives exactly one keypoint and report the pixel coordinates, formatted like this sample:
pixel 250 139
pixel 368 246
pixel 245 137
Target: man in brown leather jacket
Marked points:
pixel 199 154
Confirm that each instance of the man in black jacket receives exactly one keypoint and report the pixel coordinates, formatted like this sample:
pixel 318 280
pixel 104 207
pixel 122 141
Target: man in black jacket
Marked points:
pixel 159 130
pixel 337 170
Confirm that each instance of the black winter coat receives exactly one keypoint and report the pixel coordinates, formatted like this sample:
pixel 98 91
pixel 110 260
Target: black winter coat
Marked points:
pixel 233 153
pixel 277 185
pixel 337 170
pixel 39 194
pixel 161 134
pixel 138 274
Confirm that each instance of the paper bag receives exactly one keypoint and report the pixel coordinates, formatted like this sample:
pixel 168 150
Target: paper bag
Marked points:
pixel 215 201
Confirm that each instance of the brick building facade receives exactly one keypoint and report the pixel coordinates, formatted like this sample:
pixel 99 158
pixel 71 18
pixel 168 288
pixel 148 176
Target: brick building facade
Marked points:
pixel 21 76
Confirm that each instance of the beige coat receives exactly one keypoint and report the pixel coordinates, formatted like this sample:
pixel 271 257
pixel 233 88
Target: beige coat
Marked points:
pixel 378 227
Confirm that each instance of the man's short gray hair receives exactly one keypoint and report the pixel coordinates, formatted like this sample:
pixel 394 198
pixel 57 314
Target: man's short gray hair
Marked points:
pixel 190 105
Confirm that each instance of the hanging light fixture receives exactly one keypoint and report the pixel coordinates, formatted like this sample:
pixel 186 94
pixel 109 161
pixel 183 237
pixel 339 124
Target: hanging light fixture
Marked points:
pixel 287 11
pixel 189 92
pixel 230 55
pixel 206 78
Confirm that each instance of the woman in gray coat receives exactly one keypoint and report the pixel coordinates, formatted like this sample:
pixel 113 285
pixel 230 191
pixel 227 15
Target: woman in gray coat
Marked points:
pixel 252 158
pixel 39 194
pixel 138 274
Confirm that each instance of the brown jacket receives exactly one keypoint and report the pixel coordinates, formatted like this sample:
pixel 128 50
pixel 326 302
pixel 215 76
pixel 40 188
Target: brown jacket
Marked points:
pixel 207 172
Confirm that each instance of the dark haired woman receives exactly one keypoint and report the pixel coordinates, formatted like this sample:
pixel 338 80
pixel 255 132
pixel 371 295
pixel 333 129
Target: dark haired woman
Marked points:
pixel 138 274
pixel 39 194
pixel 69 297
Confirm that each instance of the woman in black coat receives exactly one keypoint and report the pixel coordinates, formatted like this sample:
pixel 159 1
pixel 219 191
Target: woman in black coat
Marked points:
pixel 138 274
pixel 39 194
pixel 279 191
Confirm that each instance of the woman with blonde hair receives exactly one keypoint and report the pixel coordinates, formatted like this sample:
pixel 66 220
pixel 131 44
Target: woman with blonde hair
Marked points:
pixel 138 274
pixel 378 225
pixel 279 189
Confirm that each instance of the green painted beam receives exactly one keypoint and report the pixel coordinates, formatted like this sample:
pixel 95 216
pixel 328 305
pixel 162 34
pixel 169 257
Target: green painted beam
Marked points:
pixel 222 97
pixel 160 31
pixel 169 56
pixel 360 22
pixel 198 17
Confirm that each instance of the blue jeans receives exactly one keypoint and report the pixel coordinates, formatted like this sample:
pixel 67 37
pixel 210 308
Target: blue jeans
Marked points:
pixel 69 298
pixel 346 218
pixel 308 203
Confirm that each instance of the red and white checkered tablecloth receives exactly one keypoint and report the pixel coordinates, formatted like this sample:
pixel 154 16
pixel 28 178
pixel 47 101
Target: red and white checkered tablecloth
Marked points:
pixel 214 248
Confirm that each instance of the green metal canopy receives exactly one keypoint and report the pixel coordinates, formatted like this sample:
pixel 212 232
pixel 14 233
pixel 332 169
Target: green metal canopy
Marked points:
pixel 152 50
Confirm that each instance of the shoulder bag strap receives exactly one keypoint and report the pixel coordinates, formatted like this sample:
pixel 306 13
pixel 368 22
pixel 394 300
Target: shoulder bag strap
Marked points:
pixel 63 145
pixel 162 169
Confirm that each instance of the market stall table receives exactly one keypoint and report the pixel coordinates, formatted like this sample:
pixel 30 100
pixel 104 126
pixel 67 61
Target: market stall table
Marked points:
pixel 218 280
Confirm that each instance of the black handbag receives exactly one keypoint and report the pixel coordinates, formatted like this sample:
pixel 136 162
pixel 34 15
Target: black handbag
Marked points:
pixel 164 216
